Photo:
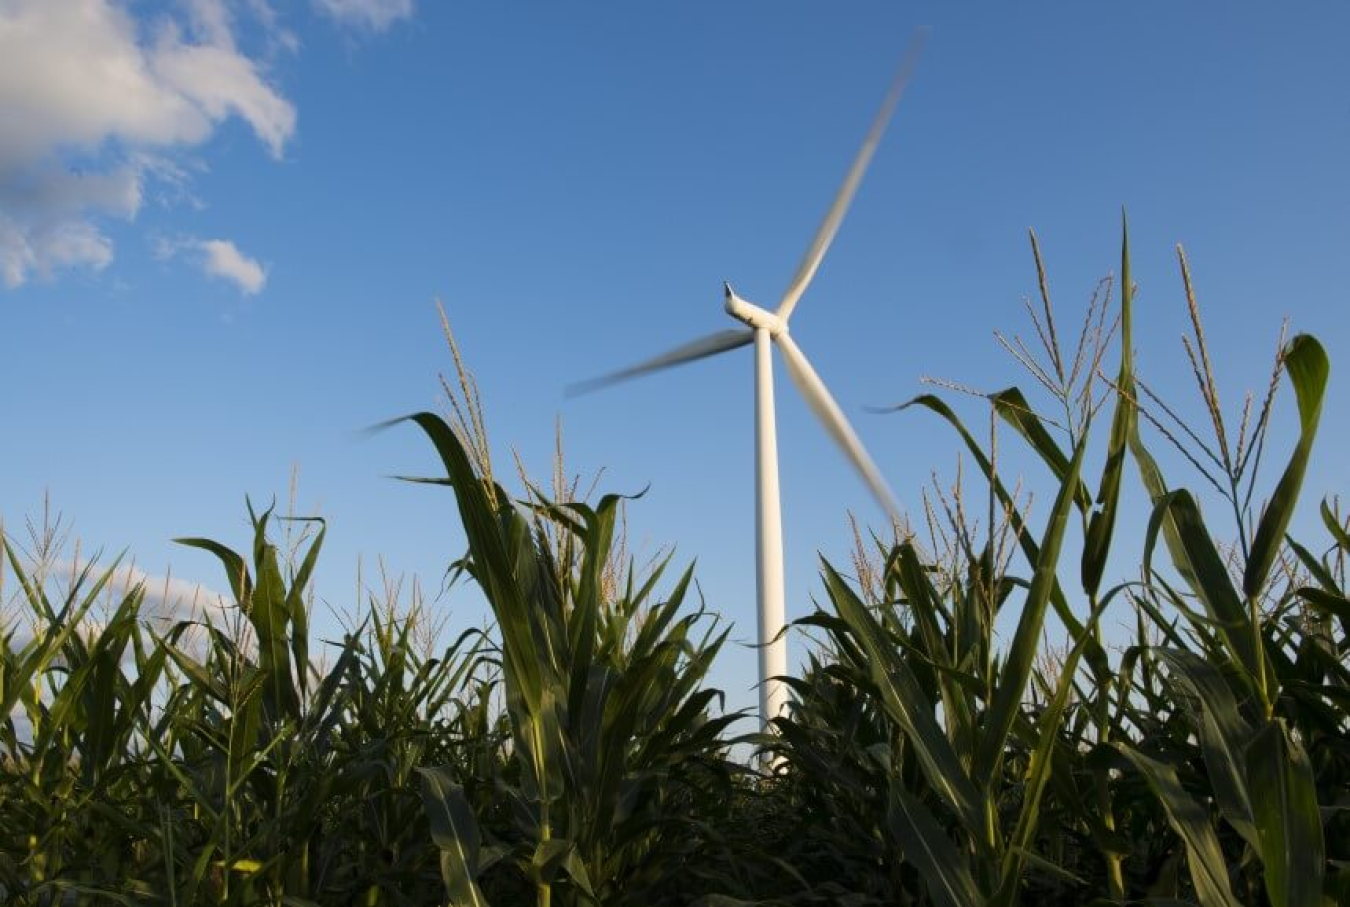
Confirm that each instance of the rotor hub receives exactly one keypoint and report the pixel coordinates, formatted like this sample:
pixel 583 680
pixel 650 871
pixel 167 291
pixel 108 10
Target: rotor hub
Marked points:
pixel 753 315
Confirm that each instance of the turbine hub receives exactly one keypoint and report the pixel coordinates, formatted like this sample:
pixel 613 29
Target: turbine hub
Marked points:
pixel 752 314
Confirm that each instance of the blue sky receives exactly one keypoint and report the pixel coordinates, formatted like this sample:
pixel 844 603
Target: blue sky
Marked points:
pixel 223 226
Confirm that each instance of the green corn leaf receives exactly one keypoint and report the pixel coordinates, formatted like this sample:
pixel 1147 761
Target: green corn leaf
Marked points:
pixel 908 705
pixel 553 760
pixel 924 605
pixel 1189 820
pixel 1328 603
pixel 44 648
pixel 295 605
pixel 1012 406
pixel 1149 472
pixel 1288 824
pixel 927 846
pixel 491 557
pixel 1124 423
pixel 596 738
pixel 1319 569
pixel 1061 779
pixel 1018 661
pixel 1095 654
pixel 1334 527
pixel 558 854
pixel 1053 870
pixel 454 828
pixel 236 570
pixel 267 611
pixel 263 601
pixel 1038 772
pixel 547 859
pixel 1307 366
pixel 1197 559
pixel 246 709
pixel 1224 734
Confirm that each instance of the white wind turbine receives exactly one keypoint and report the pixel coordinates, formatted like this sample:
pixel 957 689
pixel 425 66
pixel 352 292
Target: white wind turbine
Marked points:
pixel 764 328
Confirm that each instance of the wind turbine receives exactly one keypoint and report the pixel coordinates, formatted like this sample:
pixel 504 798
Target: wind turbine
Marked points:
pixel 765 329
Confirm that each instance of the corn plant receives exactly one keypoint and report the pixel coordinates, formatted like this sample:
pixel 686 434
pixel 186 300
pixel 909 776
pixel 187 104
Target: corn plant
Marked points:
pixel 68 792
pixel 615 745
pixel 991 780
pixel 155 769
pixel 307 783
pixel 1237 688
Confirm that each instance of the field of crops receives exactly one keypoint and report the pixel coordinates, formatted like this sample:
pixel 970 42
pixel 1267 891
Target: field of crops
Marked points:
pixel 576 753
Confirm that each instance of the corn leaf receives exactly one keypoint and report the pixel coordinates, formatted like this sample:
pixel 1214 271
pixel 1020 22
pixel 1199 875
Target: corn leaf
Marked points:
pixel 927 846
pixel 1012 405
pixel 1224 734
pixel 1306 364
pixel 1191 823
pixel 1124 423
pixel 1288 824
pixel 1012 681
pixel 1197 559
pixel 455 831
pixel 906 704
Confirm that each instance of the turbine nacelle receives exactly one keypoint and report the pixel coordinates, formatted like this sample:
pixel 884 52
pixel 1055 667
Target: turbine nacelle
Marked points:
pixel 753 315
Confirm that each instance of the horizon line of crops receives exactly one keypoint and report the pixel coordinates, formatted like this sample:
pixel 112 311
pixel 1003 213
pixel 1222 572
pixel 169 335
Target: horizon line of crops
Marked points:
pixel 574 753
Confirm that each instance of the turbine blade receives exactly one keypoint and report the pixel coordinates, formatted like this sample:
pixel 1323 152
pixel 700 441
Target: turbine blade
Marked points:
pixel 829 414
pixel 820 244
pixel 702 348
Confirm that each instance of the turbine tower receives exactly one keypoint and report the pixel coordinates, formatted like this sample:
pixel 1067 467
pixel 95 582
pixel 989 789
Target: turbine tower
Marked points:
pixel 765 329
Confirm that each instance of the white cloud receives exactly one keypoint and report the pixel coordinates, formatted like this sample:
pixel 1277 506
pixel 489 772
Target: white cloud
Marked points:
pixel 219 82
pixel 166 602
pixel 166 598
pixel 60 192
pixel 376 15
pixel 94 104
pixel 25 250
pixel 211 21
pixel 45 218
pixel 278 37
pixel 223 259
pixel 217 258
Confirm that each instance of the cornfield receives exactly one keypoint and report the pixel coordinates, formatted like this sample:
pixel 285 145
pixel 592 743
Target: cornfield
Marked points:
pixel 575 753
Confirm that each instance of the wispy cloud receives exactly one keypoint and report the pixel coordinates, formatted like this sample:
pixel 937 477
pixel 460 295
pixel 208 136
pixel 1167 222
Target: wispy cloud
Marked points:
pixel 222 259
pixel 375 15
pixel 217 258
pixel 165 598
pixel 43 248
pixel 168 597
pixel 96 104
